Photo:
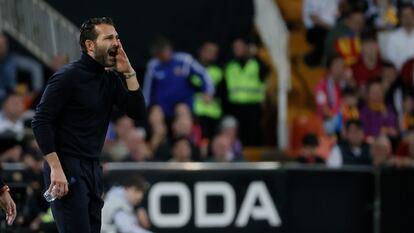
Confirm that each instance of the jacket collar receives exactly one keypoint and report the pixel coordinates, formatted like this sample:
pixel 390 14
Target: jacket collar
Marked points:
pixel 90 63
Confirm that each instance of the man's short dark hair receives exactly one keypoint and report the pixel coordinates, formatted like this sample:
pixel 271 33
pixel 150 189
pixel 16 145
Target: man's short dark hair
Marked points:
pixel 178 139
pixel 88 32
pixel 349 91
pixel 369 35
pixel 374 81
pixel 159 44
pixel 350 7
pixel 135 181
pixel 387 64
pixel 356 123
pixel 310 139
pixel 330 60
pixel 405 5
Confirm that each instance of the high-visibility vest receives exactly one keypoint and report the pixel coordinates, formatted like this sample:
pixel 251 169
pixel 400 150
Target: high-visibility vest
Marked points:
pixel 243 83
pixel 212 109
pixel 47 217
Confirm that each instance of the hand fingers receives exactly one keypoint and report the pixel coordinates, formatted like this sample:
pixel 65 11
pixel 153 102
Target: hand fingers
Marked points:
pixel 120 44
pixel 11 213
pixel 53 183
pixel 66 189
pixel 60 190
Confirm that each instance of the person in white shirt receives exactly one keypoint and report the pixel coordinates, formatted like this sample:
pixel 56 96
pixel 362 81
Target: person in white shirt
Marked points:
pixel 11 117
pixel 319 17
pixel 352 150
pixel 118 215
pixel 400 46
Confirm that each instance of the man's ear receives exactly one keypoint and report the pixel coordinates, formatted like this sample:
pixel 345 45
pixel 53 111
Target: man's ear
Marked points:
pixel 90 45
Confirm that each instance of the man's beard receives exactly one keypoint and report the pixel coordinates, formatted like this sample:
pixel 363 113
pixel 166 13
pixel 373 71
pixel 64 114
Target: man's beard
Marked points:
pixel 102 57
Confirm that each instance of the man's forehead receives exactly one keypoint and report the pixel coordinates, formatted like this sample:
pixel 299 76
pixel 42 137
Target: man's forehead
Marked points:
pixel 105 29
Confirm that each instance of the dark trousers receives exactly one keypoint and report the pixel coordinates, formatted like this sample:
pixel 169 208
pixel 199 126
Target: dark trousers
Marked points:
pixel 80 210
pixel 249 117
pixel 208 126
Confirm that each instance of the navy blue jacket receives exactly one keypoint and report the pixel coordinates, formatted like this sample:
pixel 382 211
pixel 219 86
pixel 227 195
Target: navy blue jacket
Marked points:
pixel 73 115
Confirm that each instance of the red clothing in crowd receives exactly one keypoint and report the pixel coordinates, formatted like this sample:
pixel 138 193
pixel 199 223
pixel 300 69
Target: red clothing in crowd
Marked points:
pixel 328 93
pixel 407 73
pixel 362 74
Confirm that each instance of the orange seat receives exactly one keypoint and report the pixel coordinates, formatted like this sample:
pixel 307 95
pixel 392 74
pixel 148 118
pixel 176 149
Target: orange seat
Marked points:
pixel 299 127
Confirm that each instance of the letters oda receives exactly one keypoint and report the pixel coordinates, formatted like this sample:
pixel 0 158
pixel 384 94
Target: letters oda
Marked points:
pixel 257 192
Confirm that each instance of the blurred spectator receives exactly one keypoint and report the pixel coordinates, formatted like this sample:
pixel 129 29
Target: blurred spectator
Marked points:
pixel 221 150
pixel 393 87
pixel 184 125
pixel 229 127
pixel 343 39
pixel 181 149
pixel 11 117
pixel 400 46
pixel 407 73
pixel 7 70
pixel 403 148
pixel 11 64
pixel 382 14
pixel 368 65
pixel 209 112
pixel 407 120
pixel 137 148
pixel 158 132
pixel 377 117
pixel 308 153
pixel 118 213
pixel 349 109
pixel 166 81
pixel 12 155
pixel 352 149
pixel 58 62
pixel 319 17
pixel 245 81
pixel 381 151
pixel 328 94
pixel 117 150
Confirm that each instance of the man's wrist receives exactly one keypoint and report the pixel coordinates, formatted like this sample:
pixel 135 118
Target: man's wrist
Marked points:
pixel 53 161
pixel 129 75
pixel 4 189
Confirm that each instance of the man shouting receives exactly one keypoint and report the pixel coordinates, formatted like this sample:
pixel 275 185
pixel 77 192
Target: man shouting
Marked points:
pixel 71 121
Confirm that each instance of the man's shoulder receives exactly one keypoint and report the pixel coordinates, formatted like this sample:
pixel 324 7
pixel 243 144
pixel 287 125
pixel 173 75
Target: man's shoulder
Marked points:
pixel 154 62
pixel 182 56
pixel 67 72
pixel 396 33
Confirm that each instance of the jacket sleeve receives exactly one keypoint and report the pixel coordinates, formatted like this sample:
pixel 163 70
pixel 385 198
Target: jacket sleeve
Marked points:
pixel 132 103
pixel 148 83
pixel 51 104
pixel 197 69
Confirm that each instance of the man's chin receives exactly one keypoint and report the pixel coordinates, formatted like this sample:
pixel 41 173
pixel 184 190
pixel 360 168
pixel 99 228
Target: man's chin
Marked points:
pixel 110 62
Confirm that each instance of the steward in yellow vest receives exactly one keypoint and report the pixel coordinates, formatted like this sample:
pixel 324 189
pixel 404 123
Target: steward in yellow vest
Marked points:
pixel 246 91
pixel 209 112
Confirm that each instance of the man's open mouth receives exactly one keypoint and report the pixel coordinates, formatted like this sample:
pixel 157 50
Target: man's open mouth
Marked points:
pixel 113 52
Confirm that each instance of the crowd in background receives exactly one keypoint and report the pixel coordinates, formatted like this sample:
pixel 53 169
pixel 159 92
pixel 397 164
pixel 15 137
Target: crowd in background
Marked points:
pixel 366 98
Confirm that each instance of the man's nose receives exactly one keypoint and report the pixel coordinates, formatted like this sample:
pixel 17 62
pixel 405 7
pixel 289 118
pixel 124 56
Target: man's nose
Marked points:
pixel 116 43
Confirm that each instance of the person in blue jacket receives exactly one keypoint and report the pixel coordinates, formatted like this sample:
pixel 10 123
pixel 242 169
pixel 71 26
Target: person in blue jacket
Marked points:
pixel 167 80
